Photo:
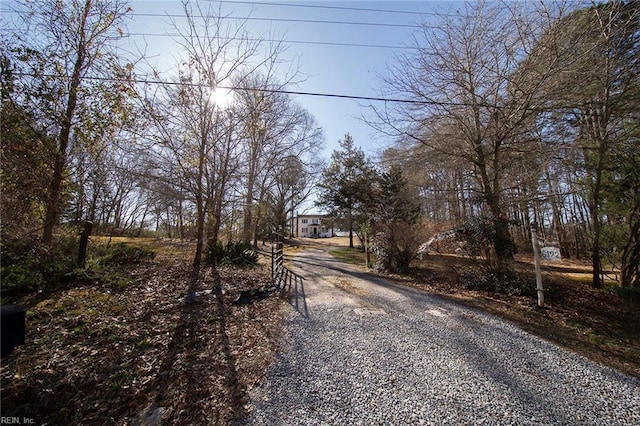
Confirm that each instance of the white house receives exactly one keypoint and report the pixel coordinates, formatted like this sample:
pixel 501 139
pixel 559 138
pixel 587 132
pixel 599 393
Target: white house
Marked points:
pixel 314 226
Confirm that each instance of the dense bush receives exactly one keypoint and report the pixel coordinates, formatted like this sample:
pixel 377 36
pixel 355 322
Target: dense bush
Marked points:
pixel 120 254
pixel 500 282
pixel 631 294
pixel 28 266
pixel 237 253
pixel 481 236
pixel 108 264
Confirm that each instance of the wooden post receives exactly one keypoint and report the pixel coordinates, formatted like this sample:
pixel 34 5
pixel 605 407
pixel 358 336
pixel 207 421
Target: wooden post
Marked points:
pixel 366 249
pixel 84 240
pixel 536 261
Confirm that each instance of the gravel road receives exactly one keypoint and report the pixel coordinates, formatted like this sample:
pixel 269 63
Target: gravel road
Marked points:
pixel 358 350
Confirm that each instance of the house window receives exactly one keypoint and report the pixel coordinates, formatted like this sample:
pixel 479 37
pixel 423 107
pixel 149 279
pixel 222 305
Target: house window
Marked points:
pixel 315 221
pixel 305 230
pixel 305 221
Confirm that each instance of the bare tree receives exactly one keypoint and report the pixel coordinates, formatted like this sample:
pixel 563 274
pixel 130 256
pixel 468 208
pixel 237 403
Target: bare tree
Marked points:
pixel 196 137
pixel 469 102
pixel 274 128
pixel 595 94
pixel 74 46
pixel 294 181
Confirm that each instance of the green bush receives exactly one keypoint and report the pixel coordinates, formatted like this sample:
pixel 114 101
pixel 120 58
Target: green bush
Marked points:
pixel 120 254
pixel 500 282
pixel 106 264
pixel 16 278
pixel 631 294
pixel 237 253
pixel 28 266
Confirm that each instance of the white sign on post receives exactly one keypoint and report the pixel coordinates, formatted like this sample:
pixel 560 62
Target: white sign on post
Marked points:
pixel 551 254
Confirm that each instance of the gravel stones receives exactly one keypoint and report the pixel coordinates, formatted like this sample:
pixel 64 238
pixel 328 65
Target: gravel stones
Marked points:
pixel 422 360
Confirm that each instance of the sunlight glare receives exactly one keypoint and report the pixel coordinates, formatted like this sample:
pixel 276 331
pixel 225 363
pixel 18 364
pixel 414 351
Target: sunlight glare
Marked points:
pixel 222 97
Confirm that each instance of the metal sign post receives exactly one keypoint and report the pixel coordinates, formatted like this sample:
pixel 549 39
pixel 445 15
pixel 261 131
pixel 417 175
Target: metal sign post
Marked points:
pixel 536 261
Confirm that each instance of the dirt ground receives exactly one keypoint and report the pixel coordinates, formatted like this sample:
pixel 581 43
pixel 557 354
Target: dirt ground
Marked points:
pixel 596 323
pixel 97 356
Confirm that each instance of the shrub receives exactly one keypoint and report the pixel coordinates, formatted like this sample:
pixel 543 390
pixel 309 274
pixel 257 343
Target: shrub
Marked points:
pixel 481 236
pixel 28 266
pixel 105 264
pixel 632 294
pixel 500 282
pixel 396 247
pixel 17 278
pixel 121 254
pixel 237 253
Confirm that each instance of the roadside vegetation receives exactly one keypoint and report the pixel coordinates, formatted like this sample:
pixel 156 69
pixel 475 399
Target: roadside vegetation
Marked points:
pixel 122 341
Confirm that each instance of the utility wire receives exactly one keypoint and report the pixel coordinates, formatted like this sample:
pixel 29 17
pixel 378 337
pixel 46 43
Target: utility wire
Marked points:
pixel 305 21
pixel 346 8
pixel 263 90
pixel 356 9
pixel 250 18
pixel 269 40
pixel 321 43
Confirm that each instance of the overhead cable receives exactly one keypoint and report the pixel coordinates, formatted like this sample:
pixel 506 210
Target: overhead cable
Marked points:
pixel 263 90
pixel 305 21
pixel 321 43
pixel 316 6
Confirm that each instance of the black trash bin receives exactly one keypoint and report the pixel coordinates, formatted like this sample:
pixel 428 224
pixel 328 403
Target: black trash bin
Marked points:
pixel 12 328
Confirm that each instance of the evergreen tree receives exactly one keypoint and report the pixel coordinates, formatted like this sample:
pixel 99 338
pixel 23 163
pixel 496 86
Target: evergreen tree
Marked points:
pixel 346 185
pixel 395 214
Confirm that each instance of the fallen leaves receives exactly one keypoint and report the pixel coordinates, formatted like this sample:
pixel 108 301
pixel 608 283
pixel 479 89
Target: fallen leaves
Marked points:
pixel 93 355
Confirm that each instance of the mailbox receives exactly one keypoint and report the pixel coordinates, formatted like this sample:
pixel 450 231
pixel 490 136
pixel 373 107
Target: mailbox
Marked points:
pixel 12 328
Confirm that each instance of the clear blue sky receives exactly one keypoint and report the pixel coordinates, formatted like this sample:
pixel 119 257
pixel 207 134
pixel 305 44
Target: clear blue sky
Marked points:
pixel 335 69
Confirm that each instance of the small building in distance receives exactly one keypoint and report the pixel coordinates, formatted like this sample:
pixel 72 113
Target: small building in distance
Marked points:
pixel 313 226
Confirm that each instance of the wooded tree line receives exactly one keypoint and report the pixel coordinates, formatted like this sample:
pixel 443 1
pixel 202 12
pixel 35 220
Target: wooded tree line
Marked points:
pixel 515 116
pixel 524 114
pixel 90 133
pixel 516 113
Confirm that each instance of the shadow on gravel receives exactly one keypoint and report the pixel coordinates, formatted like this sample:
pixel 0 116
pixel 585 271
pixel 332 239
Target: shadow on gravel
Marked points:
pixel 487 364
pixel 297 296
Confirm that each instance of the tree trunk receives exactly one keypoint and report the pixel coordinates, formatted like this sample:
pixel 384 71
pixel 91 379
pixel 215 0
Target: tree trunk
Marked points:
pixel 502 241
pixel 197 259
pixel 52 205
pixel 200 206
pixel 350 229
pixel 594 204
pixel 630 258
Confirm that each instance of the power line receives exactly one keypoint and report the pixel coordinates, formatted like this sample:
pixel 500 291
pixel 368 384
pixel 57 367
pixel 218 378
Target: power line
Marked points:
pixel 356 9
pixel 263 90
pixel 271 40
pixel 259 19
pixel 325 7
pixel 321 43
pixel 305 21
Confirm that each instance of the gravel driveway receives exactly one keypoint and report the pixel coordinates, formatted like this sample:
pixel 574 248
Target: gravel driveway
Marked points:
pixel 360 350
